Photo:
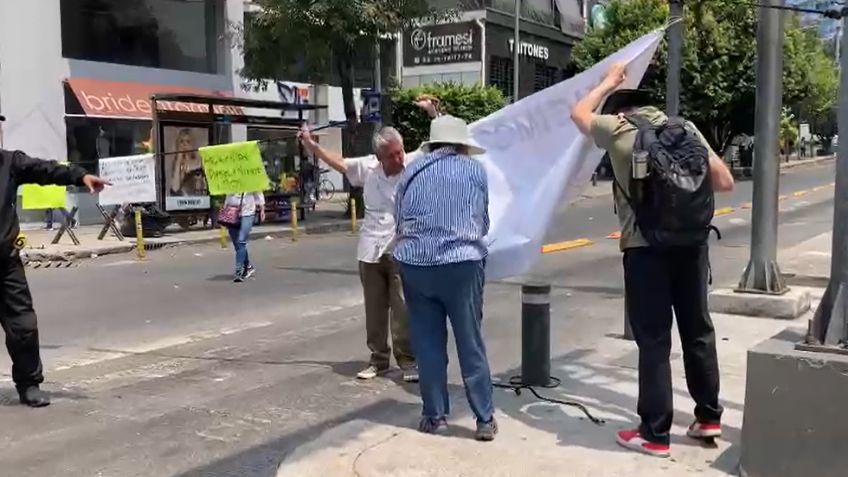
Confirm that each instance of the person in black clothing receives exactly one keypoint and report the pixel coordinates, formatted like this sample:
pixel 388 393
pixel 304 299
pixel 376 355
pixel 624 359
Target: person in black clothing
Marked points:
pixel 664 280
pixel 16 310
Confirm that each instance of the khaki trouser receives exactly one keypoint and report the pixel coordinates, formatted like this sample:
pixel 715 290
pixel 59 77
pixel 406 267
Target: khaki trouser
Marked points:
pixel 384 309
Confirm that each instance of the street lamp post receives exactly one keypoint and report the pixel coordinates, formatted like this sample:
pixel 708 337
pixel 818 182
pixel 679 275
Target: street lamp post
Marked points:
pixel 675 57
pixel 762 275
pixel 829 328
pixel 515 48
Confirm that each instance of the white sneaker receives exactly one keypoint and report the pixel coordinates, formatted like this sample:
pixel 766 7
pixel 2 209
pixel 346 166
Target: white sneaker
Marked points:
pixel 371 372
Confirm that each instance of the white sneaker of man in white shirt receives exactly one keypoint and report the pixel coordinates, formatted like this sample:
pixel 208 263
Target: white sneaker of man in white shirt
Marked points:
pixel 385 309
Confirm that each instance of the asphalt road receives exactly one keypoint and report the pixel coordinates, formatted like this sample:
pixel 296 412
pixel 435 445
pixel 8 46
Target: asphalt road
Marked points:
pixel 167 368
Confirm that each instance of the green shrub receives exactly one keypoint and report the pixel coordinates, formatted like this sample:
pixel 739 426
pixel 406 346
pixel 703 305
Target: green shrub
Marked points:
pixel 467 102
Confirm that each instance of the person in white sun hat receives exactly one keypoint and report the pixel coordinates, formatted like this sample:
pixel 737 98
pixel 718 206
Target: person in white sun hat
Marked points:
pixel 442 220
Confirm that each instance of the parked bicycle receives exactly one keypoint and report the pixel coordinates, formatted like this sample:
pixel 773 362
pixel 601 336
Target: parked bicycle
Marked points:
pixel 326 188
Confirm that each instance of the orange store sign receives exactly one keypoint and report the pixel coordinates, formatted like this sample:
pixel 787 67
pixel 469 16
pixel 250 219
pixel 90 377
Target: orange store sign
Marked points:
pixel 132 100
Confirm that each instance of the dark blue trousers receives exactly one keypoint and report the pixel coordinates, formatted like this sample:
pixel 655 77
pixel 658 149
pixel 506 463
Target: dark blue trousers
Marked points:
pixel 434 294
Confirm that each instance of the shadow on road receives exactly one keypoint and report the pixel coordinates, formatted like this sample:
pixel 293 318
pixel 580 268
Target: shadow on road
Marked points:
pixel 594 386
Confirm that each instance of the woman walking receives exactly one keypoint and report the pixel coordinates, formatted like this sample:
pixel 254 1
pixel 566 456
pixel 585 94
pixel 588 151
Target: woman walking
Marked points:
pixel 239 214
pixel 442 220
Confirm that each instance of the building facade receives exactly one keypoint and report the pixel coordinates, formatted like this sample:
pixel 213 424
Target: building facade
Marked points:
pixel 76 75
pixel 478 47
pixel 76 78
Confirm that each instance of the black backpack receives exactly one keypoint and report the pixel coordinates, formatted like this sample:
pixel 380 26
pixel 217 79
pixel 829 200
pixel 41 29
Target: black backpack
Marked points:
pixel 674 204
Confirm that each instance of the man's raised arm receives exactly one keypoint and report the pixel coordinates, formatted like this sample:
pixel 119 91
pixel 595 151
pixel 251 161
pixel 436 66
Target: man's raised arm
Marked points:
pixel 332 159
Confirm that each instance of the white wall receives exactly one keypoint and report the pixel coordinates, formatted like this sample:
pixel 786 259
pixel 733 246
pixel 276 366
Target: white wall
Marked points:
pixel 32 70
pixel 31 74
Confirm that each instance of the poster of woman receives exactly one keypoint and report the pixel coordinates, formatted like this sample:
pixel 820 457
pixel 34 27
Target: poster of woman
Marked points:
pixel 185 184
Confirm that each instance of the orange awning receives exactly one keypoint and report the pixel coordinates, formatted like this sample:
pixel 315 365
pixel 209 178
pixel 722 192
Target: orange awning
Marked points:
pixel 132 100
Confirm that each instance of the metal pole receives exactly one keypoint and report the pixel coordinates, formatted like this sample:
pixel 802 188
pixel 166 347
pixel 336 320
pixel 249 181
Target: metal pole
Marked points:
pixel 830 323
pixel 378 80
pixel 515 49
pixel 762 275
pixel 536 335
pixel 675 58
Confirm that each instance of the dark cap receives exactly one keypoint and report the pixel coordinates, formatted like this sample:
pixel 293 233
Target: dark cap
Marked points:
pixel 2 118
pixel 625 99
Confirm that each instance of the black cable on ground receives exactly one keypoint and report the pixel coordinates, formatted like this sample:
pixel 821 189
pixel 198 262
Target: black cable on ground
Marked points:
pixel 516 385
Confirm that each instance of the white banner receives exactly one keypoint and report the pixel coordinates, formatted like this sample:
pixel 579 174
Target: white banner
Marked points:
pixel 133 179
pixel 537 159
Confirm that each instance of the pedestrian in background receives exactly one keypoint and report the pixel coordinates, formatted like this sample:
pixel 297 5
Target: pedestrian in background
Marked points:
pixel 17 315
pixel 238 214
pixel 442 220
pixel 665 177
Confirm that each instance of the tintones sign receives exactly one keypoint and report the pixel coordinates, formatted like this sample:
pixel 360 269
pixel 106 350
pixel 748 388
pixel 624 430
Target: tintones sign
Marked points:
pixel 442 44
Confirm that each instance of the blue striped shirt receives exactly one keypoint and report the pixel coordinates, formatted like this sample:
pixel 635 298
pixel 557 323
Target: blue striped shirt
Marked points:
pixel 442 210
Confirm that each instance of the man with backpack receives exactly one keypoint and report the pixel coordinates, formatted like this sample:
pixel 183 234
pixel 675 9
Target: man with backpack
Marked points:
pixel 665 176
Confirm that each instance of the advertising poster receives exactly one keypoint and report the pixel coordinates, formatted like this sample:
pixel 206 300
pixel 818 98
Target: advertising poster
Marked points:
pixel 185 183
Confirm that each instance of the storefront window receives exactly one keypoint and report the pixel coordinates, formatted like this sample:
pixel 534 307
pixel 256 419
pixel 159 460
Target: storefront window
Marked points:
pixel 280 154
pixel 90 139
pixel 170 34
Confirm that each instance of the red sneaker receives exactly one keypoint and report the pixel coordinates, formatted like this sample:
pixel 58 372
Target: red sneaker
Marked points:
pixel 702 430
pixel 633 440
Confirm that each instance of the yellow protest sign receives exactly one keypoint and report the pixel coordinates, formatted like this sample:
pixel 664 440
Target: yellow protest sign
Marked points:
pixel 234 168
pixel 37 197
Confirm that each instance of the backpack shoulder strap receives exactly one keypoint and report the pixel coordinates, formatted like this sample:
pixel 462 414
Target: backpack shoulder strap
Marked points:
pixel 638 121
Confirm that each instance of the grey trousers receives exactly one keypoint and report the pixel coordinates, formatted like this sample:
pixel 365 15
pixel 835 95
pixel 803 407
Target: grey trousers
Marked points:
pixel 385 309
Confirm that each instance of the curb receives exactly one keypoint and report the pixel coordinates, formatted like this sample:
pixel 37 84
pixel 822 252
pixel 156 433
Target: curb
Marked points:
pixel 34 258
pixel 809 162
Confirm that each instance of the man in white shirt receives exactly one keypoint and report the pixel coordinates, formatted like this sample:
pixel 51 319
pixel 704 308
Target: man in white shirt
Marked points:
pixel 378 175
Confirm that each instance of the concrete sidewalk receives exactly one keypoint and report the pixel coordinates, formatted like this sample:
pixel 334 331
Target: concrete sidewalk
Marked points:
pixel 327 218
pixel 541 439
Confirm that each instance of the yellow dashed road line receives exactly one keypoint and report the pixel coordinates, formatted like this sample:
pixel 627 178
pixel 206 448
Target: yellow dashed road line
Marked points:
pixel 584 242
pixel 563 246
pixel 723 211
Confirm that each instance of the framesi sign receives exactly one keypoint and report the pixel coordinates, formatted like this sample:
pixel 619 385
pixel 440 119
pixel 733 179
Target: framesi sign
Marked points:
pixel 442 44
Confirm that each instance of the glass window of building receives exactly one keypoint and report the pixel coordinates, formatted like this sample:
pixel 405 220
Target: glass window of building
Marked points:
pixel 545 76
pixel 501 74
pixel 90 139
pixel 169 34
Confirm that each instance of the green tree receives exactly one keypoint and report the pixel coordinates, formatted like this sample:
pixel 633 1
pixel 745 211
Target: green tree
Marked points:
pixel 283 36
pixel 788 132
pixel 304 36
pixel 719 62
pixel 467 102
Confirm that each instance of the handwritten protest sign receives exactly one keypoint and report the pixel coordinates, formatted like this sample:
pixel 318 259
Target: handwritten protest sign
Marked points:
pixel 234 168
pixel 38 197
pixel 133 179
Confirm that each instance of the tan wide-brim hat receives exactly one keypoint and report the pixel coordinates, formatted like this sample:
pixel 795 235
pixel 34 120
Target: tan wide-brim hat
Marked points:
pixel 454 131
